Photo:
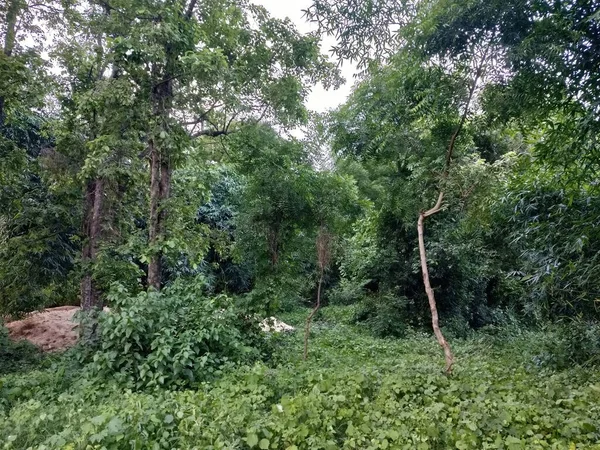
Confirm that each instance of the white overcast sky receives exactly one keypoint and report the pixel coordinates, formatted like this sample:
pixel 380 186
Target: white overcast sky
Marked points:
pixel 319 100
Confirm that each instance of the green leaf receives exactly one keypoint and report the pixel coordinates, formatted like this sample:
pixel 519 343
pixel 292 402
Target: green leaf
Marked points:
pixel 252 439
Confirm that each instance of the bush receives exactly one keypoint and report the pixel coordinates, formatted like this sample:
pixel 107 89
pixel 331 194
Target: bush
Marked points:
pixel 384 316
pixel 355 392
pixel 571 343
pixel 171 339
pixel 15 356
pixel 348 292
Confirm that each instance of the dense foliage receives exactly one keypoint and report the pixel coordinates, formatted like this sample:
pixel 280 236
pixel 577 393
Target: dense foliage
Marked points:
pixel 356 392
pixel 177 337
pixel 158 159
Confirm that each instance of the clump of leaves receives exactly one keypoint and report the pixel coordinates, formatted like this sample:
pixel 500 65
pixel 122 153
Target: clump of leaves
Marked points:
pixel 384 316
pixel 15 356
pixel 174 338
pixel 573 342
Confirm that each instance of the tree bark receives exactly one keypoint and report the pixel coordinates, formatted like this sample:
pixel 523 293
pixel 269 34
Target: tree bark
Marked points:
pixel 428 289
pixel 12 15
pixel 160 161
pixel 94 200
pixel 160 191
pixel 154 266
pixel 160 174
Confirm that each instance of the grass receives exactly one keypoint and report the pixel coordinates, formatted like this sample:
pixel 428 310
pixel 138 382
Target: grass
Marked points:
pixel 355 391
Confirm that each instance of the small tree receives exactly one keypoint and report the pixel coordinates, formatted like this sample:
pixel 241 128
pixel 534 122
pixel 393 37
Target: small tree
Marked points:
pixel 460 51
pixel 324 239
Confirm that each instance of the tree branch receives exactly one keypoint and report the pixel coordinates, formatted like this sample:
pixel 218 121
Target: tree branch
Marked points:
pixel 190 9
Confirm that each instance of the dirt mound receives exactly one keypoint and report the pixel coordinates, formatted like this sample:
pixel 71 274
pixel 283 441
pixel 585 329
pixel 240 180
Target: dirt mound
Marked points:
pixel 52 329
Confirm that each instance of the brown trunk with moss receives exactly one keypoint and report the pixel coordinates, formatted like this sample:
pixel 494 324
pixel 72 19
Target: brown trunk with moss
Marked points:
pixel 92 223
pixel 160 179
pixel 160 159
pixel 12 16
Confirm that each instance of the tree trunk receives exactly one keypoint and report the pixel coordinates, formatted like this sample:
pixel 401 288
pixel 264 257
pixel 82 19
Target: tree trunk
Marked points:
pixel 12 15
pixel 323 257
pixel 160 176
pixel 312 314
pixel 94 199
pixel 160 191
pixel 154 266
pixel 438 206
pixel 273 245
pixel 160 162
pixel 430 294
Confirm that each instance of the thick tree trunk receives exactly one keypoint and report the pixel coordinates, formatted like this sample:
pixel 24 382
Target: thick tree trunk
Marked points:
pixel 160 177
pixel 94 199
pixel 12 15
pixel 160 162
pixel 154 266
pixel 160 191
pixel 428 289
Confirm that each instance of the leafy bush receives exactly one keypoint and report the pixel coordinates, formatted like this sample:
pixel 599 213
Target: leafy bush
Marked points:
pixel 572 342
pixel 171 339
pixel 456 327
pixel 347 292
pixel 280 292
pixel 384 316
pixel 16 355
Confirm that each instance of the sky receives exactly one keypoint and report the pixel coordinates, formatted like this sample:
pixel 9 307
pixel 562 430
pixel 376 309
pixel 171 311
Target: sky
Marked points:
pixel 319 99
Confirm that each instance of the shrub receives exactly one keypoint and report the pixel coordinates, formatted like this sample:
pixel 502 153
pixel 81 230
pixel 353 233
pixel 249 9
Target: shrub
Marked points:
pixel 356 392
pixel 384 316
pixel 571 343
pixel 348 292
pixel 16 356
pixel 171 339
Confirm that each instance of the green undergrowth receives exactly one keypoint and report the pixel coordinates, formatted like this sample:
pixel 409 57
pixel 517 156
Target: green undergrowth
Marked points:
pixel 355 391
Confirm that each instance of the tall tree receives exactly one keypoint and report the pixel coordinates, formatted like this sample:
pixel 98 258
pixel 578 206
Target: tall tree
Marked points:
pixel 99 131
pixel 208 68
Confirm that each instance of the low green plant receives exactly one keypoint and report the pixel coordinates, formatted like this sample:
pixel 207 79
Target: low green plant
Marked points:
pixel 572 342
pixel 355 391
pixel 171 339
pixel 16 356
pixel 384 315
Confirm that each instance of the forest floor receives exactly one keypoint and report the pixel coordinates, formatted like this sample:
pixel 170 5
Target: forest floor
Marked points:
pixel 52 329
pixel 355 391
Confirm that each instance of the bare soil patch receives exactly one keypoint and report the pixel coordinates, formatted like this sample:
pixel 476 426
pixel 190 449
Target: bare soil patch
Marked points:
pixel 51 330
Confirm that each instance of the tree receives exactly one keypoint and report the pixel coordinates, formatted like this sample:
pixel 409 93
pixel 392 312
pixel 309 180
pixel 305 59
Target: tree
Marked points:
pixel 331 201
pixel 206 69
pixel 37 226
pixel 99 131
pixel 274 221
pixel 466 60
